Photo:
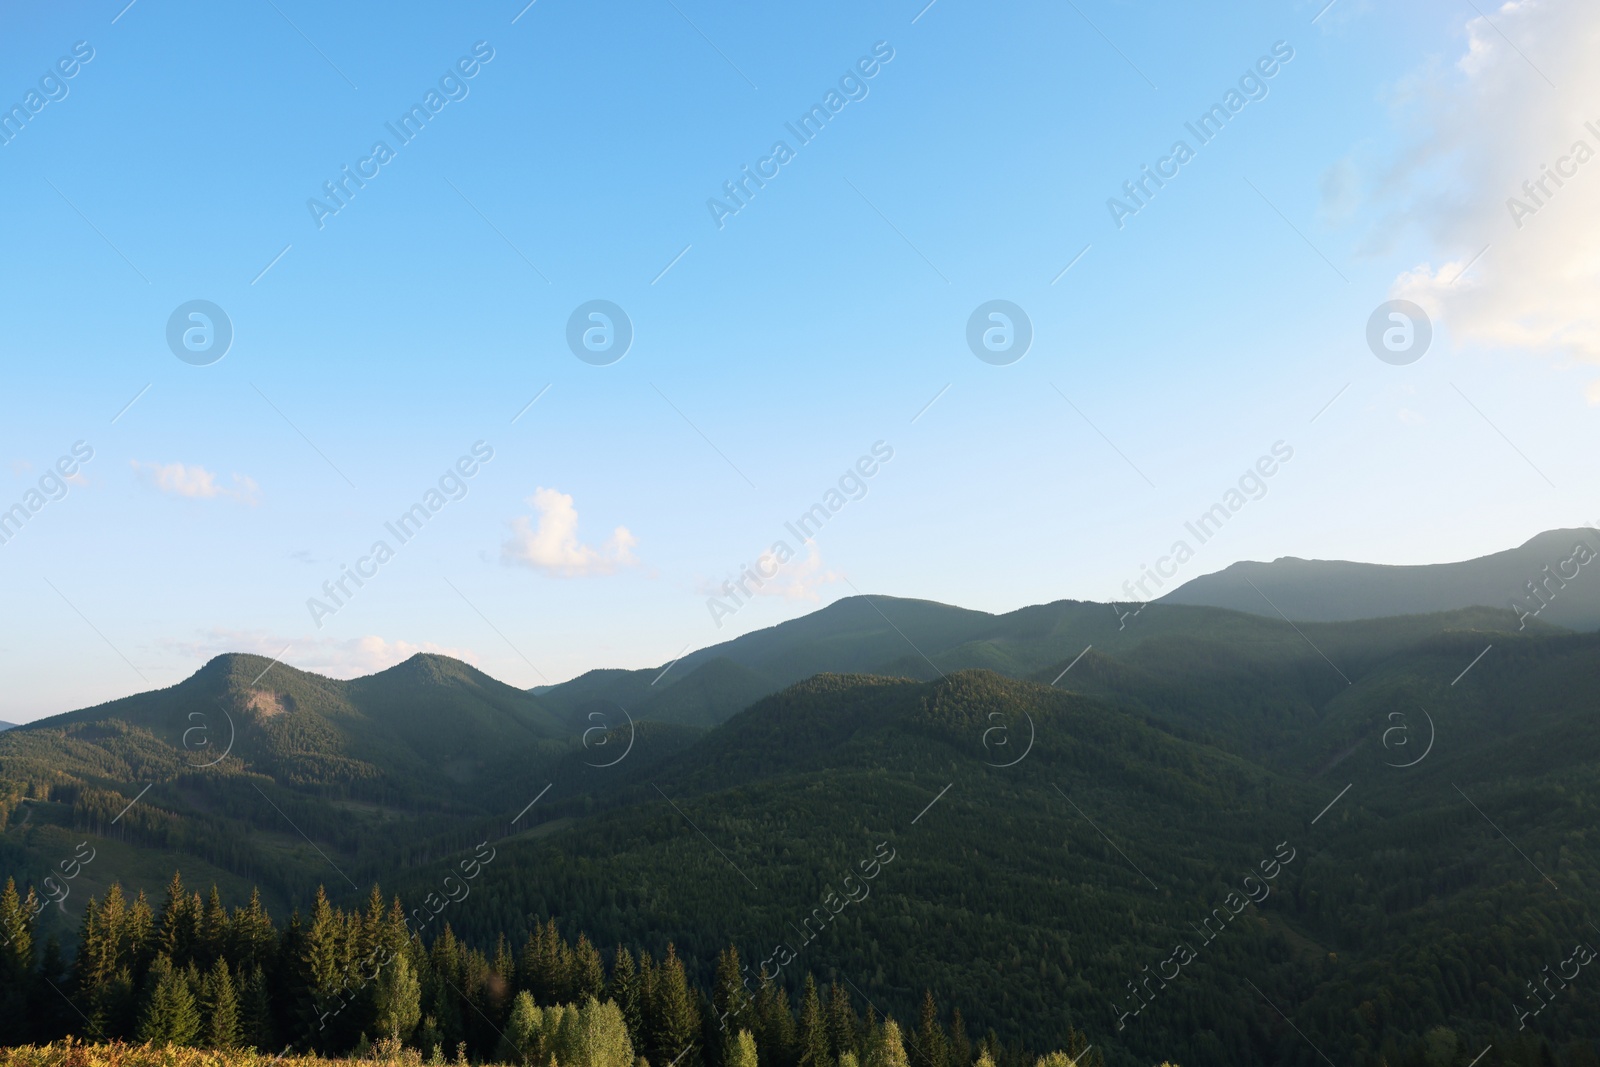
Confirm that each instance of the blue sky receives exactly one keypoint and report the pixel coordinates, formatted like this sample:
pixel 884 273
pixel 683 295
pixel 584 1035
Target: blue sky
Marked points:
pixel 770 353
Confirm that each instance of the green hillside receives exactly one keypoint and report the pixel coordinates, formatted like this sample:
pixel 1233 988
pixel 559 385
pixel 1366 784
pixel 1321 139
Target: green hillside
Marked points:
pixel 1050 803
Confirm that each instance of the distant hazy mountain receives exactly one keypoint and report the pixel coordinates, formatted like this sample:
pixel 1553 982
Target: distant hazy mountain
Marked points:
pixel 4 726
pixel 1554 578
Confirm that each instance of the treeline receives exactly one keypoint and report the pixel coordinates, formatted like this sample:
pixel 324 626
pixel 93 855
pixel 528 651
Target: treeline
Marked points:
pixel 335 982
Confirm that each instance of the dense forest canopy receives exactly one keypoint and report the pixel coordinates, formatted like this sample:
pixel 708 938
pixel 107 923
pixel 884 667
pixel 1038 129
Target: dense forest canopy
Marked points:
pixel 1178 834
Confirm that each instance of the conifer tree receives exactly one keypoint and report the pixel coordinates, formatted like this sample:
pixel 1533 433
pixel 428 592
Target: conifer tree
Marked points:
pixel 505 967
pixel 256 1028
pixel 219 1007
pixel 647 986
pixel 891 1050
pixel 776 1036
pixel 743 1051
pixel 178 926
pixel 252 942
pixel 319 978
pixel 1077 1045
pixel 139 936
pixel 545 965
pixel 52 1015
pixel 931 1045
pixel 16 963
pixel 103 973
pixel 368 928
pixel 213 939
pixel 624 988
pixel 442 1005
pixel 732 1007
pixel 587 971
pixel 960 1044
pixel 672 1020
pixel 843 1026
pixel 169 1015
pixel 813 1028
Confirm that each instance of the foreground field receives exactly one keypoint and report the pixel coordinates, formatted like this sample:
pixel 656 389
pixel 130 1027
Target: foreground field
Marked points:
pixel 71 1053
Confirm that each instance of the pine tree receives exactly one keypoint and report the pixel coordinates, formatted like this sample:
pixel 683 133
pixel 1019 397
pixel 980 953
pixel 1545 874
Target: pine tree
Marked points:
pixel 813 1028
pixel 931 1045
pixel 891 1050
pixel 672 1017
pixel 624 988
pixel 321 980
pixel 1077 1045
pixel 16 963
pixel 103 972
pixel 843 1026
pixel 871 1031
pixel 256 1028
pixel 647 989
pixel 732 1007
pixel 368 928
pixel 52 1015
pixel 505 969
pixel 776 1036
pixel 252 942
pixel 213 940
pixel 743 1051
pixel 219 1007
pixel 139 935
pixel 960 1044
pixel 169 1015
pixel 178 927
pixel 587 974
pixel 440 999
pixel 545 966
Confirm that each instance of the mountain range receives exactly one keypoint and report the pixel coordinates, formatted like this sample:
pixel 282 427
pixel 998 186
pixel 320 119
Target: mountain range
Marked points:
pixel 1067 791
pixel 1546 578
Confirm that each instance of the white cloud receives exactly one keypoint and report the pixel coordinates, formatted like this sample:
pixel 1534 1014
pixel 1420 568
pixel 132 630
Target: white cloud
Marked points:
pixel 334 657
pixel 1483 128
pixel 196 482
pixel 551 545
pixel 801 578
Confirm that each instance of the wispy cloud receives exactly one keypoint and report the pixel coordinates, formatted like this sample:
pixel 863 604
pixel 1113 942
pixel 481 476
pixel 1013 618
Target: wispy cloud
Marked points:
pixel 334 657
pixel 196 482
pixel 549 542
pixel 1502 172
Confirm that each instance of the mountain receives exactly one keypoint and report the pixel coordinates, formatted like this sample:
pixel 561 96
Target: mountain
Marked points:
pixel 1547 578
pixel 1048 801
pixel 1039 852
pixel 250 769
pixel 4 726
pixel 919 639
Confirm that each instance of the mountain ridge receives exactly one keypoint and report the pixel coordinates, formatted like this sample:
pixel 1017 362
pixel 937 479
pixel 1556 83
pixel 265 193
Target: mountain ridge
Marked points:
pixel 1530 579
